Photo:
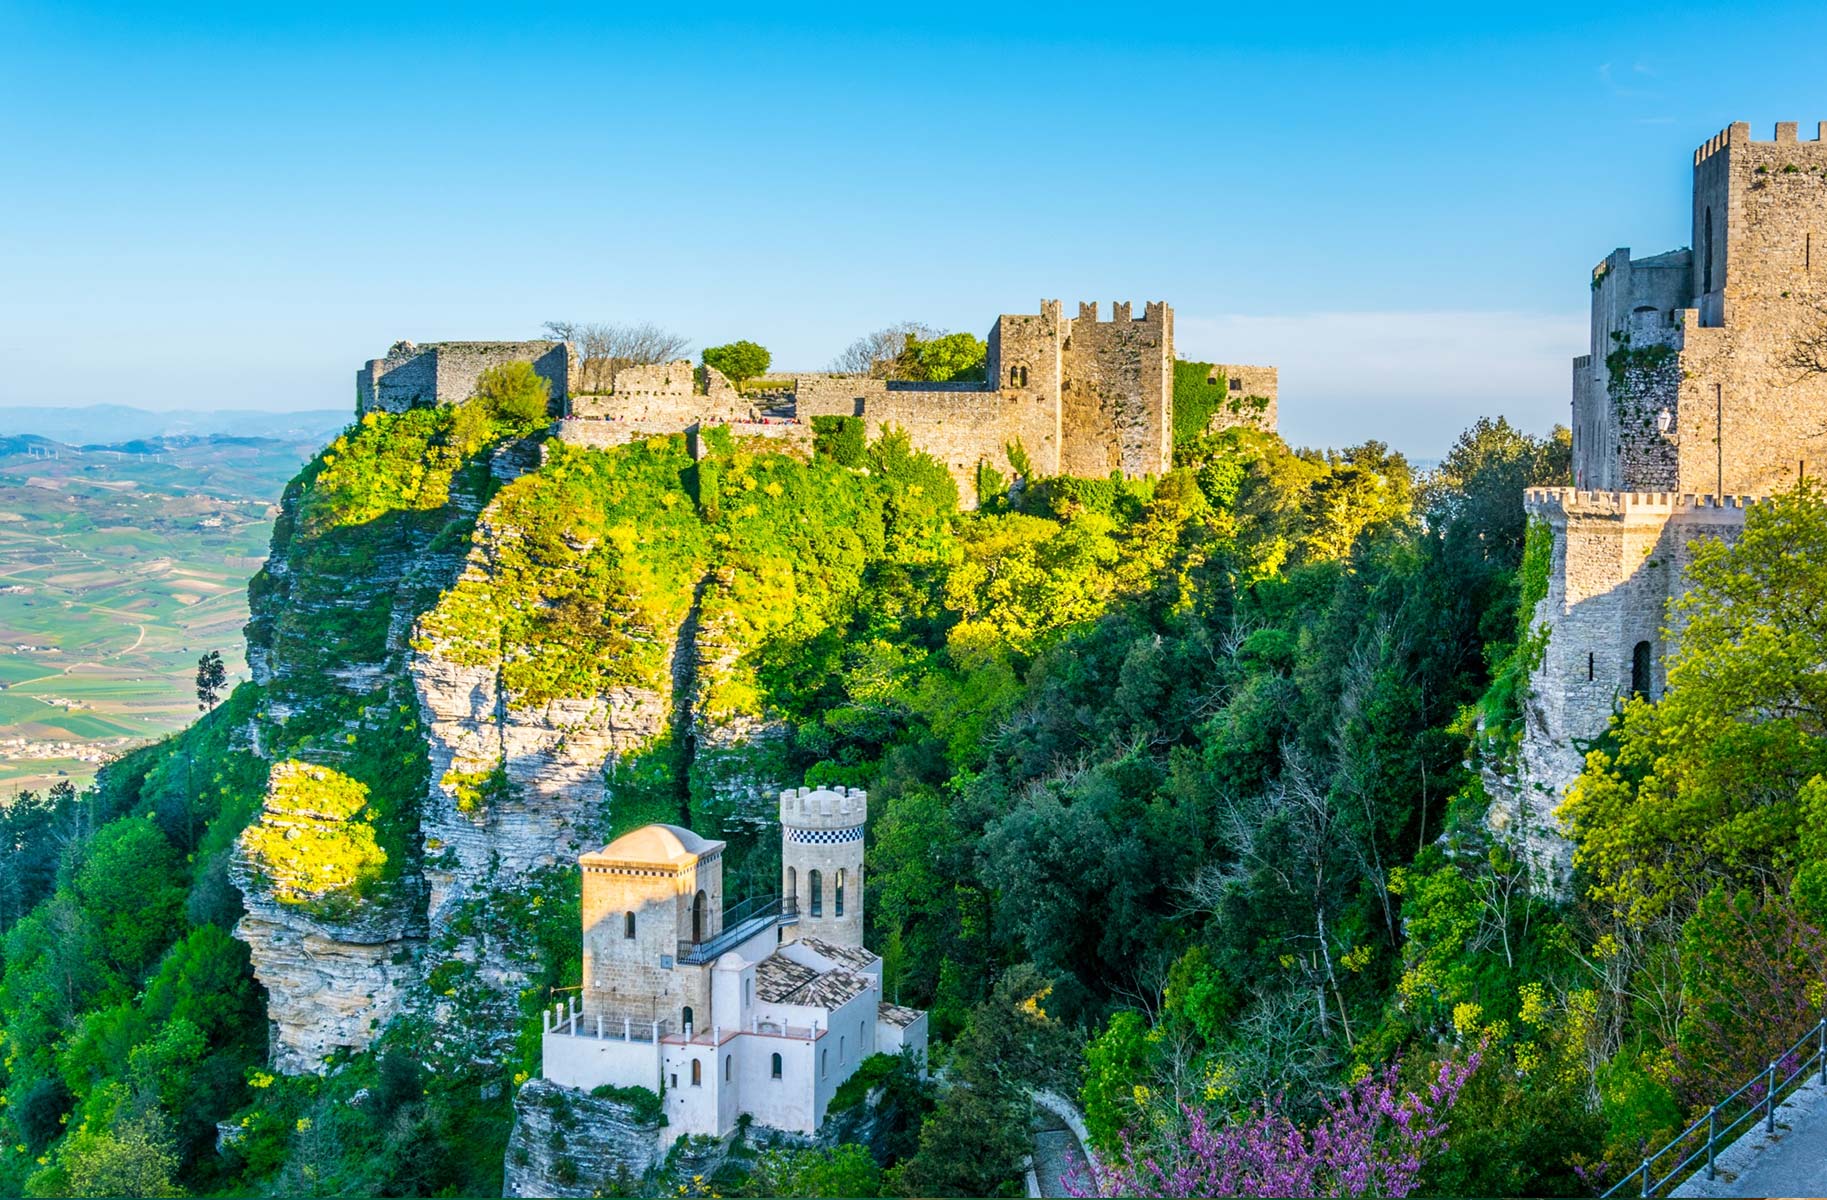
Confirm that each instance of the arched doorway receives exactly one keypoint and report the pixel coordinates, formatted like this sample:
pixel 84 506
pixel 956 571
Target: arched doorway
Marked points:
pixel 697 917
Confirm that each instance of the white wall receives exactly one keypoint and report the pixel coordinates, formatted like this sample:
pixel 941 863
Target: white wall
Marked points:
pixel 587 1062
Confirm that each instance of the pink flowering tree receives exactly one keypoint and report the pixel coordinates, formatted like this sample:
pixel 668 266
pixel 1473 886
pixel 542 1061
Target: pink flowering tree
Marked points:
pixel 1372 1140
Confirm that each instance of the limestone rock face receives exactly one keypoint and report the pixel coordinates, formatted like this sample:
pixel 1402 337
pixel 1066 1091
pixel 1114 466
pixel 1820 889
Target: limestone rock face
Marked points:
pixel 513 788
pixel 568 1143
pixel 328 987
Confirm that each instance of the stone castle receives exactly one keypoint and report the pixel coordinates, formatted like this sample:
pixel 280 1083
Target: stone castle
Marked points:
pixel 1700 395
pixel 764 1009
pixel 1071 395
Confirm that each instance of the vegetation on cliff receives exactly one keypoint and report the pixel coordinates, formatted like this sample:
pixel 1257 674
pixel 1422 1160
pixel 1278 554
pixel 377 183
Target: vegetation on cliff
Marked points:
pixel 1174 770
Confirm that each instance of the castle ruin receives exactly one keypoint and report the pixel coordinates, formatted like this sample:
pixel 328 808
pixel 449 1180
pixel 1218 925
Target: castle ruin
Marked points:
pixel 1061 395
pixel 1697 399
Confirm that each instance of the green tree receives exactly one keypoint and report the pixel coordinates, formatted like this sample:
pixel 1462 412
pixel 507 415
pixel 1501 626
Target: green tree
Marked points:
pixel 941 359
pixel 844 1170
pixel 739 361
pixel 212 677
pixel 1712 784
pixel 514 392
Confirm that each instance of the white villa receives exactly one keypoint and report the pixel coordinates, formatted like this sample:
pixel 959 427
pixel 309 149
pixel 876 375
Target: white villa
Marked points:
pixel 764 1009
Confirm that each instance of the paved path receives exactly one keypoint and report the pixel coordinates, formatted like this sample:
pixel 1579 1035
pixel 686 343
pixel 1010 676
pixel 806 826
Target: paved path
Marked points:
pixel 1056 1154
pixel 1792 1162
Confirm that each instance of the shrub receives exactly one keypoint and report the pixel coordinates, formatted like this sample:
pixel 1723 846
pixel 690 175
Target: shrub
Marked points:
pixel 738 360
pixel 515 392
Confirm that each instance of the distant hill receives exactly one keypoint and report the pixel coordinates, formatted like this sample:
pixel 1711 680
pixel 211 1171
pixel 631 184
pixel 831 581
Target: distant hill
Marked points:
pixel 115 423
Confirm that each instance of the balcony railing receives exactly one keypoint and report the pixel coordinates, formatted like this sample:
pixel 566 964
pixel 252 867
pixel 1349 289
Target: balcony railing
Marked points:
pixel 740 924
pixel 1700 1142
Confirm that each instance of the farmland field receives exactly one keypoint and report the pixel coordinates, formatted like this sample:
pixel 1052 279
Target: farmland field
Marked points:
pixel 119 567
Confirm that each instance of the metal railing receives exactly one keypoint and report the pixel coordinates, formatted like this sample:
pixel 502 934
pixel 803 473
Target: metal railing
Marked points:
pixel 1774 1081
pixel 740 924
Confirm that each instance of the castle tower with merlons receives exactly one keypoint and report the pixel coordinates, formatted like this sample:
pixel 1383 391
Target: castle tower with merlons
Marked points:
pixel 1705 390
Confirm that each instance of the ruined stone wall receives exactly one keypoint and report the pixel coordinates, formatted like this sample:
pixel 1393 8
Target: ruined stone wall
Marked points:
pixel 1246 385
pixel 446 372
pixel 1116 395
pixel 676 393
pixel 961 425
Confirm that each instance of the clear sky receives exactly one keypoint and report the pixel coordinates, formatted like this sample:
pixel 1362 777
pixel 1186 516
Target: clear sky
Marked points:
pixel 233 205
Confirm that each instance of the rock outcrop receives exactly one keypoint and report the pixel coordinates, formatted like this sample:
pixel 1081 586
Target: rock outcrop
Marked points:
pixel 568 1143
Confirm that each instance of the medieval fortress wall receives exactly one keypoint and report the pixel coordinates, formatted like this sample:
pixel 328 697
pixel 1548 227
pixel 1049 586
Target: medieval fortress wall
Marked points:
pixel 1690 407
pixel 1073 395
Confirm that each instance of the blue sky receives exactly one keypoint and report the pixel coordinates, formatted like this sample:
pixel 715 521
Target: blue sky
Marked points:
pixel 233 205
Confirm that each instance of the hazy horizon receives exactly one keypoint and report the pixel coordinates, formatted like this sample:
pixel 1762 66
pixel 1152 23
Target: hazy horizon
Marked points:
pixel 218 207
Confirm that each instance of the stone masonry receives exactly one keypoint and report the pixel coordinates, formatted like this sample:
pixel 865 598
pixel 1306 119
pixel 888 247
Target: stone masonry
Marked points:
pixel 1695 401
pixel 446 372
pixel 1069 395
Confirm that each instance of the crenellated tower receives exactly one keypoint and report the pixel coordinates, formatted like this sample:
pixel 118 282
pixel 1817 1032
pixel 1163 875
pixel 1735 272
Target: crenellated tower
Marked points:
pixel 1698 397
pixel 821 861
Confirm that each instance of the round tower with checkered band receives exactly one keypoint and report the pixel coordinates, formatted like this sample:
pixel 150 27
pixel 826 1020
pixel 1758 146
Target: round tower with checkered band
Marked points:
pixel 821 861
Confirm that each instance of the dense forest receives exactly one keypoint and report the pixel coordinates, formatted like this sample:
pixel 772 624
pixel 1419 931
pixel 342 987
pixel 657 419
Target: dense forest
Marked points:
pixel 1177 806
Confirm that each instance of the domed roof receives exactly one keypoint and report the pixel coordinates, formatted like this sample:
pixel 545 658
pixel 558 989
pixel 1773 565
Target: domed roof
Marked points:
pixel 668 844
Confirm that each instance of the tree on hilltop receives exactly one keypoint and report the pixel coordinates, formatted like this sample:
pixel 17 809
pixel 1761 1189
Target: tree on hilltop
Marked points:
pixel 944 359
pixel 604 349
pixel 874 354
pixel 738 360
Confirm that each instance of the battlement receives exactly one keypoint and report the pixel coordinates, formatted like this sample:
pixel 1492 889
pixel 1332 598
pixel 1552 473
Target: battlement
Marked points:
pixel 1738 133
pixel 1153 312
pixel 824 808
pixel 1546 501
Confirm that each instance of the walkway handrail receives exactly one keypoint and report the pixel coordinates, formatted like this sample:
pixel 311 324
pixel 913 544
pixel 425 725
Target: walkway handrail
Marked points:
pixel 1645 1175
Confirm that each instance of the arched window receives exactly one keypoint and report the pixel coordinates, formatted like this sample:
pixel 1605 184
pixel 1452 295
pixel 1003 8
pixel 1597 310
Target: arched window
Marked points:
pixel 792 888
pixel 1014 376
pixel 841 1056
pixel 815 884
pixel 837 897
pixel 1640 669
pixel 728 1060
pixel 1706 270
pixel 697 917
pixel 685 1019
pixel 627 925
pixel 824 1061
pixel 697 1073
pixel 777 1066
pixel 1024 377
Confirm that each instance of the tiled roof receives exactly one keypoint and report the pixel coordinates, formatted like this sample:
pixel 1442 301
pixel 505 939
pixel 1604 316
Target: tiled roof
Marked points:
pixel 780 980
pixel 778 977
pixel 849 956
pixel 896 1015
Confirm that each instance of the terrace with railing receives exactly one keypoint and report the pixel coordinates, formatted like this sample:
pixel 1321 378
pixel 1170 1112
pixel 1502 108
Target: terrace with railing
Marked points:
pixel 740 923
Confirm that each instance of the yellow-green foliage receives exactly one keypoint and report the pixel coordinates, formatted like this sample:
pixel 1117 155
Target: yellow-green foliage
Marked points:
pixel 385 487
pixel 476 790
pixel 515 392
pixel 592 561
pixel 392 462
pixel 314 844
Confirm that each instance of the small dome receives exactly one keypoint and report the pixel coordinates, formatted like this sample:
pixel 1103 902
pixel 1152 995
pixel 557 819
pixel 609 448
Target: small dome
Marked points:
pixel 729 960
pixel 656 844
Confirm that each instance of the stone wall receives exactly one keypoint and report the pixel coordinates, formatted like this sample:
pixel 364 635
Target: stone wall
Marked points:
pixel 1619 558
pixel 675 393
pixel 1116 395
pixel 446 372
pixel 1246 385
